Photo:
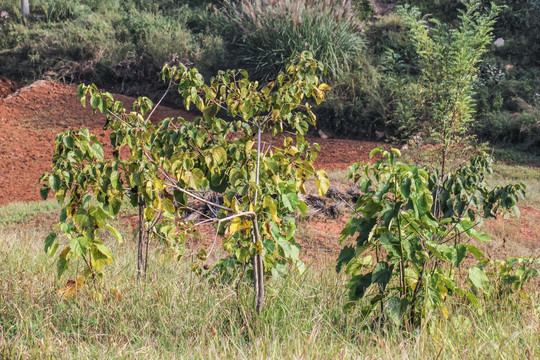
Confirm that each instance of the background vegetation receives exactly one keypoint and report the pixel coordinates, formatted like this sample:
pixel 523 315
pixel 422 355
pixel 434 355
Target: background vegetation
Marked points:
pixel 120 45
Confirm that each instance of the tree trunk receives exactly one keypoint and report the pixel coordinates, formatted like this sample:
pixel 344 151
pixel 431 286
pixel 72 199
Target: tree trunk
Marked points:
pixel 25 8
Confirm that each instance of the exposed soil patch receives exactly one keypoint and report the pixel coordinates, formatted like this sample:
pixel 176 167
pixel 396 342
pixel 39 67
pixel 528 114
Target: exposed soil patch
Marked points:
pixel 30 118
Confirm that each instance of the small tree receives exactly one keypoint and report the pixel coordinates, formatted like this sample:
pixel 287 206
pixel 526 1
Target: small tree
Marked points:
pixel 161 168
pixel 412 234
pixel 441 102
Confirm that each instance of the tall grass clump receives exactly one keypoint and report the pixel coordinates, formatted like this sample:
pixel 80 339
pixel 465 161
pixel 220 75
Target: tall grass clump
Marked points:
pixel 271 31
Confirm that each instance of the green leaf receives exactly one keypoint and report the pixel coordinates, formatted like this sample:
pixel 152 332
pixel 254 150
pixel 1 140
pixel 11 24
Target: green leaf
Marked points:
pixel 54 181
pixel 61 266
pixel 345 256
pixel 371 208
pixel 44 191
pixel 478 277
pixel 406 188
pixel 68 141
pixel 356 265
pixel 79 245
pixel 290 201
pixel 115 233
pixel 479 235
pixel 98 151
pixel 381 274
pixel 95 100
pixel 478 254
pixel 104 250
pixel 393 310
pixel 49 241
pixel 358 286
pixel 460 251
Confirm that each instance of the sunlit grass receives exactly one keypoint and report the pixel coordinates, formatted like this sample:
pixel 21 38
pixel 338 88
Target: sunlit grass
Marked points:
pixel 176 314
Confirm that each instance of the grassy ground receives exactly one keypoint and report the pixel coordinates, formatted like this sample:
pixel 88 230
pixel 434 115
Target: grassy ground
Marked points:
pixel 177 314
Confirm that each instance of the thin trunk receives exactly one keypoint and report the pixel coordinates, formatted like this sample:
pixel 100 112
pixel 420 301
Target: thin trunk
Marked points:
pixel 146 253
pixel 25 8
pixel 258 269
pixel 140 240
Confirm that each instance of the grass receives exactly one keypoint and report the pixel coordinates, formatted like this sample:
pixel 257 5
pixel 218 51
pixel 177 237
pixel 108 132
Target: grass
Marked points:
pixel 176 314
pixel 179 315
pixel 19 212
pixel 103 41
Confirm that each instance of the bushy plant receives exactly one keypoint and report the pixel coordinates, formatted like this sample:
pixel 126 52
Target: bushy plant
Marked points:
pixel 412 232
pixel 269 32
pixel 357 105
pixel 505 128
pixel 107 42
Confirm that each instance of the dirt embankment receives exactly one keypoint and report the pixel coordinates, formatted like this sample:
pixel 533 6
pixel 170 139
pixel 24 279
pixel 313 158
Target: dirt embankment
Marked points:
pixel 31 116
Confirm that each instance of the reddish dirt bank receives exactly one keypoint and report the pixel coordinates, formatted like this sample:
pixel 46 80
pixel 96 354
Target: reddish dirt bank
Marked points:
pixel 30 117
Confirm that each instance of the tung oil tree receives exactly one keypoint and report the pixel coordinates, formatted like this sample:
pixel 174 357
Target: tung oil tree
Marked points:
pixel 411 236
pixel 163 168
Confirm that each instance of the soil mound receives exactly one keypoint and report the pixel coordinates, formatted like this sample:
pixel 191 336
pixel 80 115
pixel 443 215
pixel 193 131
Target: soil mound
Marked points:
pixel 30 117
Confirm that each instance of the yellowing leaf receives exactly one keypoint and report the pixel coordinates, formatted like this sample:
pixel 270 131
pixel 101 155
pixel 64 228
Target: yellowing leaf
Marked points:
pixel 234 205
pixel 168 206
pixel 445 311
pixel 70 289
pixel 148 214
pixel 322 182
pixel 239 224
pixel 324 87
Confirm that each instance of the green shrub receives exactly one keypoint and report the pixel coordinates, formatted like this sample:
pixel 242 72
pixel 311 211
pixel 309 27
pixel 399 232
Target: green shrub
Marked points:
pixel 511 128
pixel 364 9
pixel 440 102
pixel 270 32
pixel 413 229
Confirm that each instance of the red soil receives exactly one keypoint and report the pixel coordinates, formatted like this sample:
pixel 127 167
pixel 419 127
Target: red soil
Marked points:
pixel 32 116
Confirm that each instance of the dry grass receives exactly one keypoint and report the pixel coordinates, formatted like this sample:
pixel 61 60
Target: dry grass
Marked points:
pixel 177 314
